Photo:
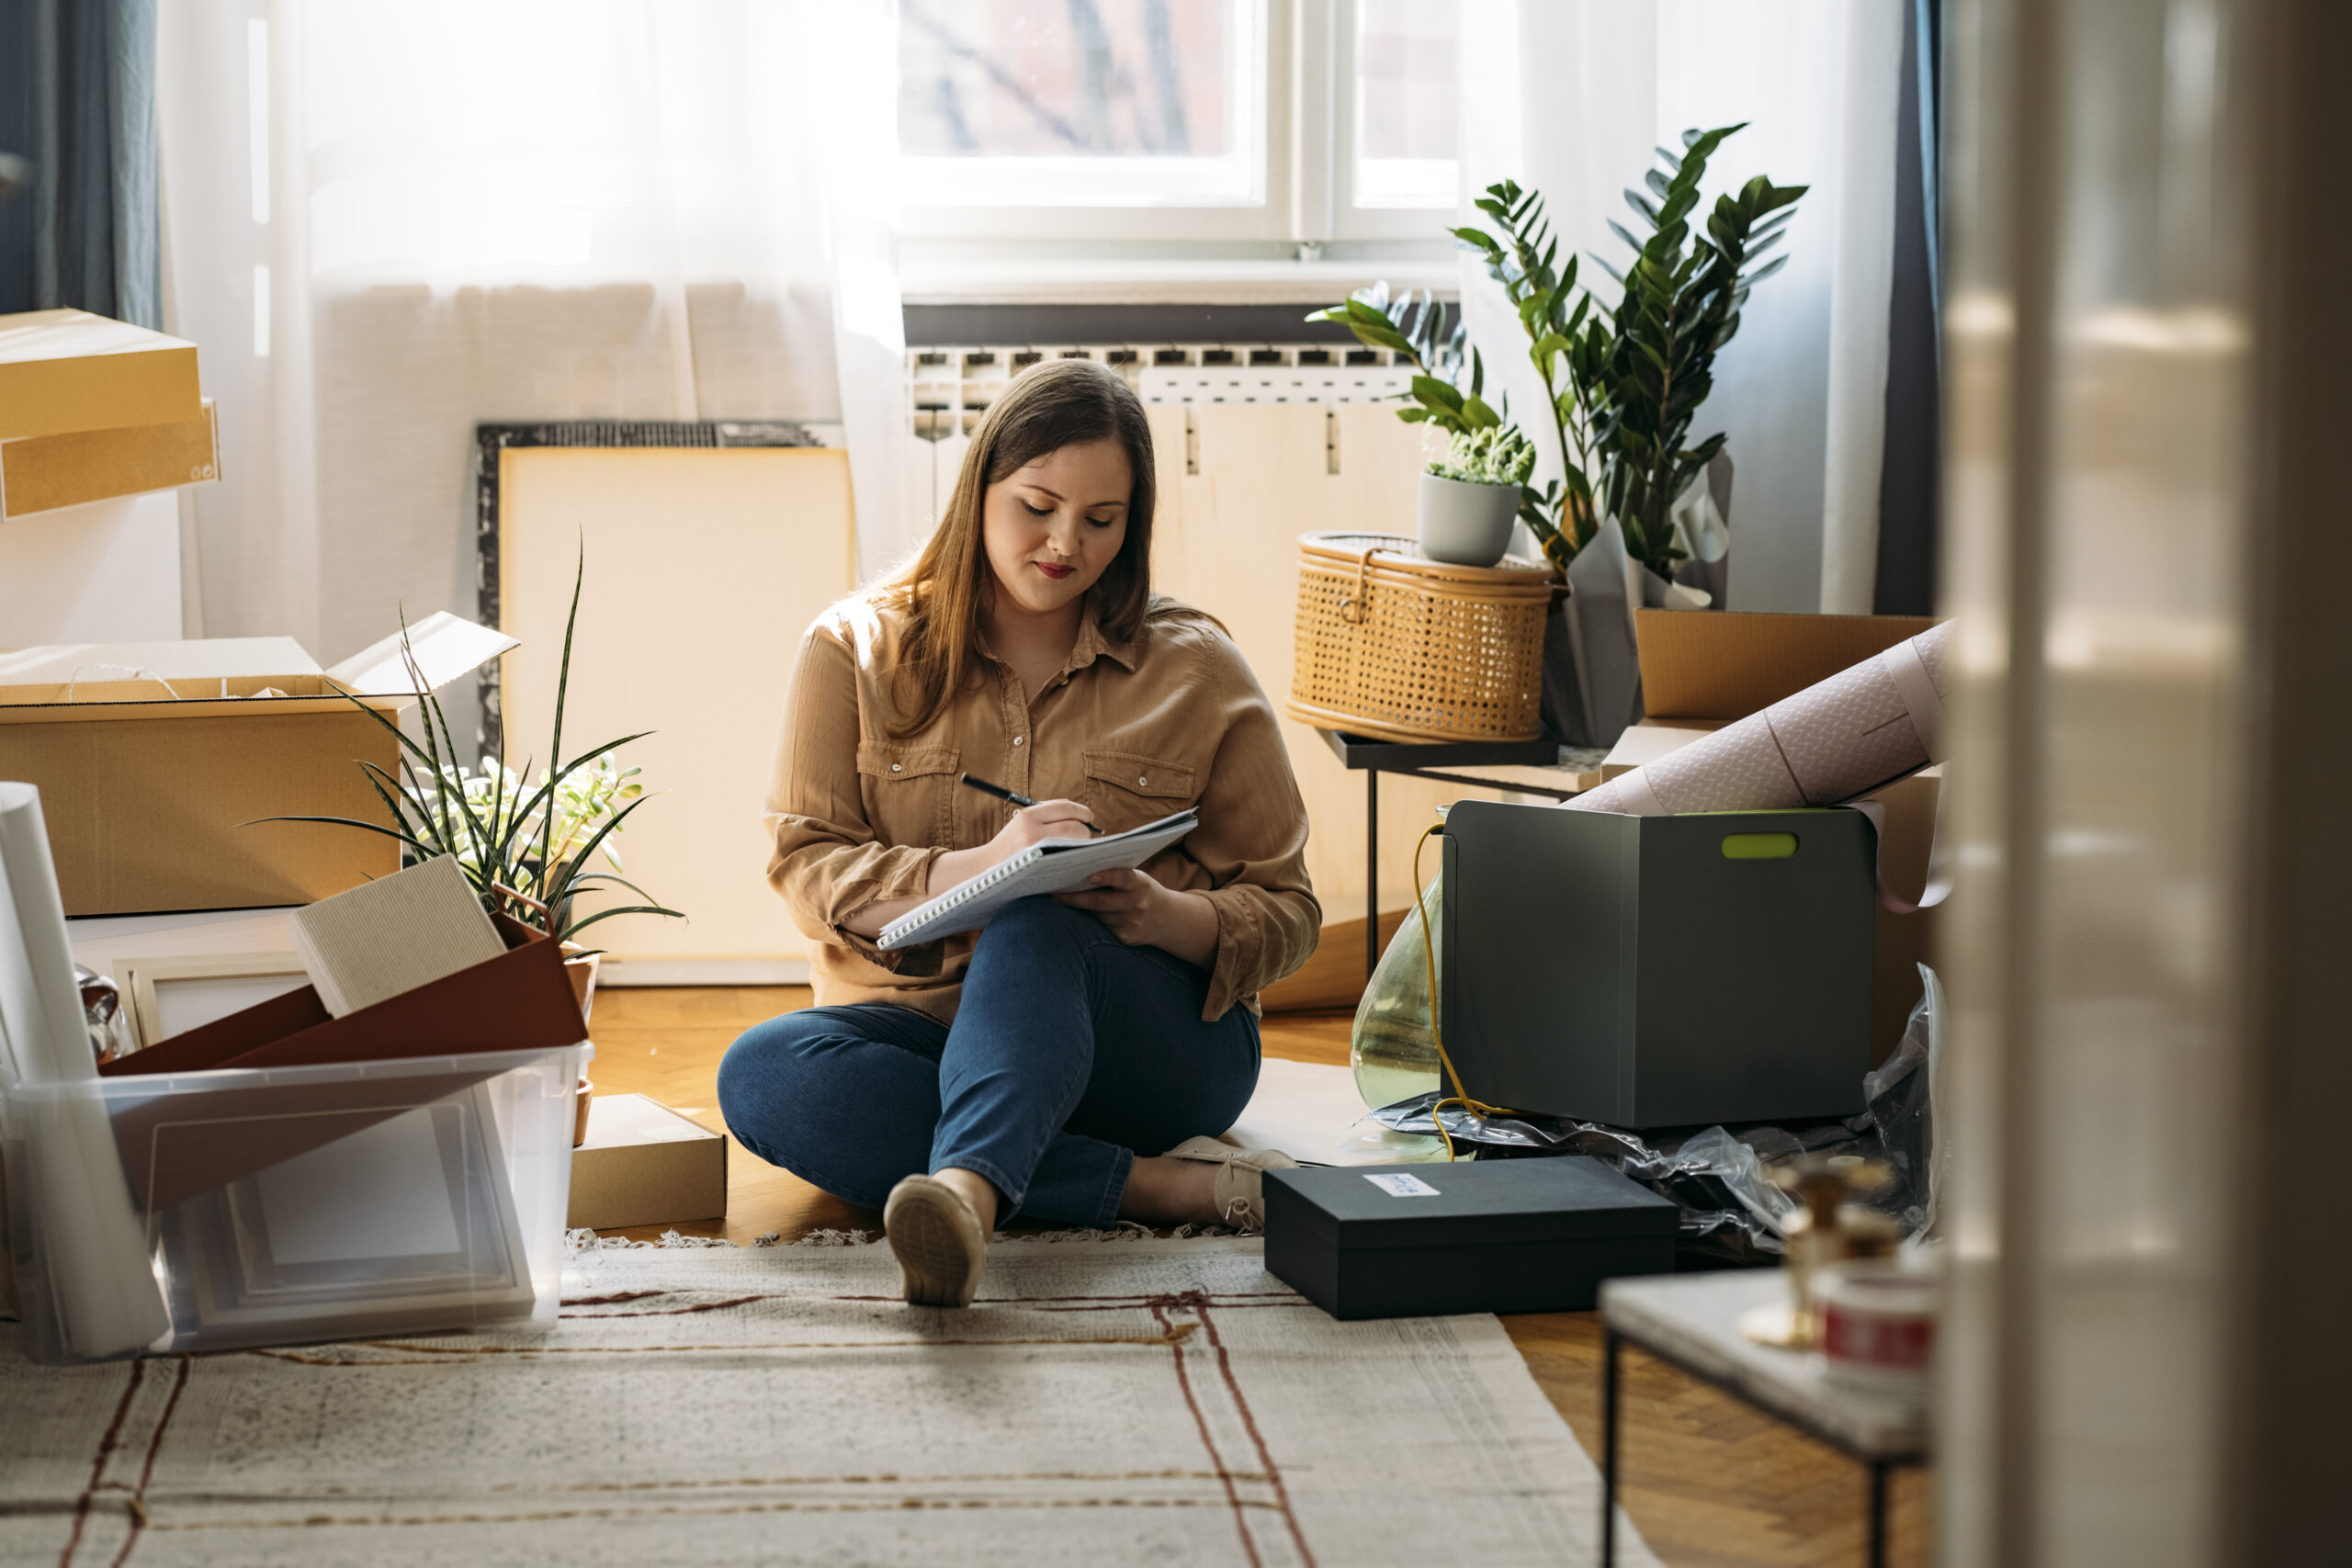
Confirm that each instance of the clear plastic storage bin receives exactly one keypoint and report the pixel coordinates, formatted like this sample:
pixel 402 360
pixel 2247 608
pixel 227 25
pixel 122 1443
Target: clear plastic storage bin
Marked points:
pixel 277 1205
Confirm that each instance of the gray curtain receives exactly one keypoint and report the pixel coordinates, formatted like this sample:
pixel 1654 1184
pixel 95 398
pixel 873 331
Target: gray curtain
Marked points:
pixel 1910 475
pixel 77 103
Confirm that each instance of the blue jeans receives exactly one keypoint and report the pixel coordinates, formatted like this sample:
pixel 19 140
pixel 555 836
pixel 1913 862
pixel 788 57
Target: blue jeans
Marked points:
pixel 1070 1052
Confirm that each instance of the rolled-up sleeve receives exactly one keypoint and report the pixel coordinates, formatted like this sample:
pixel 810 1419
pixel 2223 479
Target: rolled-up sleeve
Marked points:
pixel 828 863
pixel 1253 844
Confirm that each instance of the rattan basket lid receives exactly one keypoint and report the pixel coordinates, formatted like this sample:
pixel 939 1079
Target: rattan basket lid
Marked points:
pixel 1394 552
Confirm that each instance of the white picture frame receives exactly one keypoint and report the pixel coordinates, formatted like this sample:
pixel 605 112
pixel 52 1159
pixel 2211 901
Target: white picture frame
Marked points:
pixel 168 997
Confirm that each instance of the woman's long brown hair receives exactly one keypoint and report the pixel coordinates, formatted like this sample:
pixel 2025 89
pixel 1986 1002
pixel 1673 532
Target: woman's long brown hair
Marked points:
pixel 1057 403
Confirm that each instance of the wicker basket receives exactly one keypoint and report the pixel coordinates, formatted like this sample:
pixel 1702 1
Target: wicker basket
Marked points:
pixel 1395 646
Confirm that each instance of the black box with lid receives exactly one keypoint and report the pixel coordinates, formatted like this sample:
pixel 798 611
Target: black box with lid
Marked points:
pixel 1487 1236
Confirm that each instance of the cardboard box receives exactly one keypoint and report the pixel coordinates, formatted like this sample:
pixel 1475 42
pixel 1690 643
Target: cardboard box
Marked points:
pixel 68 370
pixel 1723 665
pixel 1487 1235
pixel 154 788
pixel 1660 971
pixel 42 473
pixel 643 1164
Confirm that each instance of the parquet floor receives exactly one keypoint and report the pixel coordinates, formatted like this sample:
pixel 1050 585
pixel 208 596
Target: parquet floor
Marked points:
pixel 1710 1482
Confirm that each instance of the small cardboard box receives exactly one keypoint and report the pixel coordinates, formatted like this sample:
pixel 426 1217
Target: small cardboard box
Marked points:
pixel 154 787
pixel 1483 1235
pixel 643 1164
pixel 1658 971
pixel 42 473
pixel 67 370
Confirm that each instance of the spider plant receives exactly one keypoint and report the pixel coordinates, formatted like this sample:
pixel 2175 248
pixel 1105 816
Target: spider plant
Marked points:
pixel 527 852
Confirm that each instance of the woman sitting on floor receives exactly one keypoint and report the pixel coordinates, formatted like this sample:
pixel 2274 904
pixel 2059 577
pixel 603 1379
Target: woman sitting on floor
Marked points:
pixel 1031 1066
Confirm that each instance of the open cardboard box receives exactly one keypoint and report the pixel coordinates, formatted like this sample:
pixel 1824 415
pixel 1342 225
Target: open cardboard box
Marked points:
pixel 1703 672
pixel 154 786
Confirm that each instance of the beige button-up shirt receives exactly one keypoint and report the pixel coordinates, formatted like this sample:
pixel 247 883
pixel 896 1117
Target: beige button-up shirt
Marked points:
pixel 1136 730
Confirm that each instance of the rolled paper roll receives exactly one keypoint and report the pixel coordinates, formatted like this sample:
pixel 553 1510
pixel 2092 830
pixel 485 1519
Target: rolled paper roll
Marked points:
pixel 1835 741
pixel 101 1287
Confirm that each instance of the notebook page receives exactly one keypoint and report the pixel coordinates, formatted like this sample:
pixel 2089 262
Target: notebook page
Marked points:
pixel 1058 866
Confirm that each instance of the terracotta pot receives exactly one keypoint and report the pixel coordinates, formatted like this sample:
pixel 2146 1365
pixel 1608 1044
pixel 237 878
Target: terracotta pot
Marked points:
pixel 582 971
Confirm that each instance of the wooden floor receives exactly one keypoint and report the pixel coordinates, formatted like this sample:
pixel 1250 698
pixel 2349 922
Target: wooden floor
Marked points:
pixel 1708 1479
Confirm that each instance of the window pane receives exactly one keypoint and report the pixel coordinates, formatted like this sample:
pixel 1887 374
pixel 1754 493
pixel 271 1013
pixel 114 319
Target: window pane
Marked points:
pixel 1067 78
pixel 1405 92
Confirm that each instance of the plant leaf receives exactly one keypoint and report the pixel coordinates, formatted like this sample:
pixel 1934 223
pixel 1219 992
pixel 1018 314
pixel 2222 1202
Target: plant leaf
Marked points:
pixel 574 928
pixel 1436 394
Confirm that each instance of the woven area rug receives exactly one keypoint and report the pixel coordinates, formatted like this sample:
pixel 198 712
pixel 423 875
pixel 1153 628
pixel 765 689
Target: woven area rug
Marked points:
pixel 1137 1401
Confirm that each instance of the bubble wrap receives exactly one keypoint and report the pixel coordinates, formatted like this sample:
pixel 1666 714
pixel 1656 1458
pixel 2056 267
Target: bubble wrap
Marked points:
pixel 1831 742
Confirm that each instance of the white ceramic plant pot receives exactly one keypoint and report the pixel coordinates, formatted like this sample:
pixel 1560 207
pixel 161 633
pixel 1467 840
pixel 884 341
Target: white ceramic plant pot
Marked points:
pixel 1466 525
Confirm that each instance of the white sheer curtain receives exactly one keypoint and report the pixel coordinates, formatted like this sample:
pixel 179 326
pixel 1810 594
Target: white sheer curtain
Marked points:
pixel 1570 96
pixel 384 223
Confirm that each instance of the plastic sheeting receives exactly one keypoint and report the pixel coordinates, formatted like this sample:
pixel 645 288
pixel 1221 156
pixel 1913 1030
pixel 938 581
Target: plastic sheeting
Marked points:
pixel 1731 1212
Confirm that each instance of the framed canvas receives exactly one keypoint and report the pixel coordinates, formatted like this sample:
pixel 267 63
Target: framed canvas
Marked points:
pixel 406 1225
pixel 711 547
pixel 172 996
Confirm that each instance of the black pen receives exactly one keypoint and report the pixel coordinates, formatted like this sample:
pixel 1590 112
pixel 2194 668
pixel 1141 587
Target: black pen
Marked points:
pixel 1004 794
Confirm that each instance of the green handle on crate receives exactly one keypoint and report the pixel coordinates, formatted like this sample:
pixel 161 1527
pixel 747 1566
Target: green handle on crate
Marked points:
pixel 1760 846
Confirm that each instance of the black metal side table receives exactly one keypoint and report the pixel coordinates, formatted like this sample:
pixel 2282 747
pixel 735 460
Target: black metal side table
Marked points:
pixel 1691 1321
pixel 1430 760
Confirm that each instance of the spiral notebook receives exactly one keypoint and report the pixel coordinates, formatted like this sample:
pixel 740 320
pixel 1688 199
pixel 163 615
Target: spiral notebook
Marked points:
pixel 1058 866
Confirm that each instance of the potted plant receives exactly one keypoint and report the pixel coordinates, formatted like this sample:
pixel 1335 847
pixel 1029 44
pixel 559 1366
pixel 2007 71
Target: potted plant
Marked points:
pixel 1470 495
pixel 1680 302
pixel 529 850
pixel 1623 385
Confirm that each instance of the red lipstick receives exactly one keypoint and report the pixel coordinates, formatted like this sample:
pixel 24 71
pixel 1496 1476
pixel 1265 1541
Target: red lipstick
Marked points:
pixel 1056 572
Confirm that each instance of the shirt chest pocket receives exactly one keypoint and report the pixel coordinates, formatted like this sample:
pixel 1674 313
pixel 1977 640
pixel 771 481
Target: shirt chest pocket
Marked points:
pixel 1127 789
pixel 909 792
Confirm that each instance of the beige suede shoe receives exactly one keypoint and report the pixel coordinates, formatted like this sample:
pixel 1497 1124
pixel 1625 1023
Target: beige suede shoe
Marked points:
pixel 938 1241
pixel 1240 1190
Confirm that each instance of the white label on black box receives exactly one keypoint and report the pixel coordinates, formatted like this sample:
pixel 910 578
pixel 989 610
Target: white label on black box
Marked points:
pixel 1402 1184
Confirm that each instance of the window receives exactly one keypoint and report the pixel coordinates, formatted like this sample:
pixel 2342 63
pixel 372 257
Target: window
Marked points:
pixel 1404 103
pixel 1141 104
pixel 1284 120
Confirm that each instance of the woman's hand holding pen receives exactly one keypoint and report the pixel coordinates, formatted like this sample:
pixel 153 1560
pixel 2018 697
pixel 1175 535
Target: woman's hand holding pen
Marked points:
pixel 1030 825
pixel 1036 824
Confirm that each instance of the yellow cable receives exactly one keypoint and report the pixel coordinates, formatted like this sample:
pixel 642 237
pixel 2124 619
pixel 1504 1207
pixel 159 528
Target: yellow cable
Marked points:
pixel 1437 1031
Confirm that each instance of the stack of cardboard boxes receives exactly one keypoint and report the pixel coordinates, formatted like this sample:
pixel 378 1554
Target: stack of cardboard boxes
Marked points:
pixel 99 423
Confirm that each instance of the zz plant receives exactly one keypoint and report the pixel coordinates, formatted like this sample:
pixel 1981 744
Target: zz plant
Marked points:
pixel 1568 341
pixel 1623 385
pixel 1682 295
pixel 1418 329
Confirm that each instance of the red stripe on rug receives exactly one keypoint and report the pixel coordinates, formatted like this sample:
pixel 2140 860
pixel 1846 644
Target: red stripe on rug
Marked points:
pixel 1249 1423
pixel 147 1471
pixel 1200 1422
pixel 98 1465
